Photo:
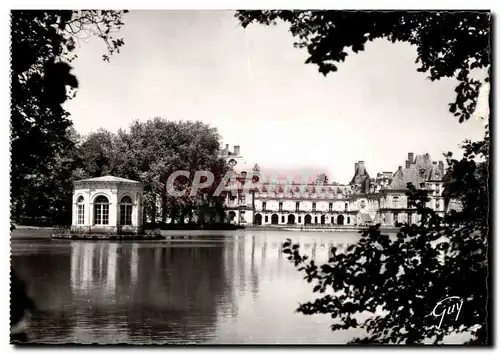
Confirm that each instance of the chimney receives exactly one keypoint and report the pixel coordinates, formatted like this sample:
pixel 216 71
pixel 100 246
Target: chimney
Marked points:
pixel 434 163
pixel 441 167
pixel 361 165
pixel 411 157
pixel 356 165
pixel 407 165
pixel 226 152
pixel 426 156
pixel 237 150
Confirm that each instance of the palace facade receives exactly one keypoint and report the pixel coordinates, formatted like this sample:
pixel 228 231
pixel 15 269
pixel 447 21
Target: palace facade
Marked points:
pixel 364 201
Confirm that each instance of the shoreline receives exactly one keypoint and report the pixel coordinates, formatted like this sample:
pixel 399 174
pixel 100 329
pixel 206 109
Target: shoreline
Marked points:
pixel 36 232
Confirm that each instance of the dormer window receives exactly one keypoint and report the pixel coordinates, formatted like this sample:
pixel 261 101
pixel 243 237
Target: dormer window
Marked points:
pixel 421 172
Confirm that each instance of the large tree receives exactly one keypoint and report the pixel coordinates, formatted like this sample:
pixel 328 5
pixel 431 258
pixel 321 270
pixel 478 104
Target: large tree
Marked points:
pixel 150 152
pixel 396 282
pixel 48 192
pixel 162 147
pixel 97 154
pixel 42 47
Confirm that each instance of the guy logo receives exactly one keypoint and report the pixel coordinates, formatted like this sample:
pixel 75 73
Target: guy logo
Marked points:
pixel 448 306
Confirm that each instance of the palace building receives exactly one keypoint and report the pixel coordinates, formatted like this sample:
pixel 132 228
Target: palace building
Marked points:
pixel 364 201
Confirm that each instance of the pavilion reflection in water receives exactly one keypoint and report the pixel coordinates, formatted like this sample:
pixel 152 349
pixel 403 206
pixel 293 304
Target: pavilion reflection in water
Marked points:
pixel 170 292
pixel 94 266
pixel 160 291
pixel 106 267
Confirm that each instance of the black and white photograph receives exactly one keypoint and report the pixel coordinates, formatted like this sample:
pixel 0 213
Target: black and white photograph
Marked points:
pixel 250 177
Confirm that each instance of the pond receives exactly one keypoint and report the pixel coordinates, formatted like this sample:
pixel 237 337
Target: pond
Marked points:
pixel 229 288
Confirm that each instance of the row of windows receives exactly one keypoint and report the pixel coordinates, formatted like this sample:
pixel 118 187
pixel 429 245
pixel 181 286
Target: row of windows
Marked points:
pixel 101 211
pixel 307 220
pixel 104 200
pixel 297 206
pixel 241 198
pixel 396 204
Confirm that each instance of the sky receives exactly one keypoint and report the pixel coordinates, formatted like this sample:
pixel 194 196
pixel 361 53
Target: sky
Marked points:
pixel 255 88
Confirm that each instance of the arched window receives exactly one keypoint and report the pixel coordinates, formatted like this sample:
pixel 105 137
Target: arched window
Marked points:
pixel 80 211
pixel 126 211
pixel 258 219
pixel 101 210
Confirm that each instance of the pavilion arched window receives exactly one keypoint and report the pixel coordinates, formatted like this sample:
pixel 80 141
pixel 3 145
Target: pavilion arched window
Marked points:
pixel 101 210
pixel 80 211
pixel 126 211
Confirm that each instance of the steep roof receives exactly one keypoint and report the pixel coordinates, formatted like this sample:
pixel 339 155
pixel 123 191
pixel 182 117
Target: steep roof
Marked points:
pixel 360 173
pixel 108 179
pixel 421 169
pixel 423 161
pixel 404 176
pixel 295 175
pixel 435 174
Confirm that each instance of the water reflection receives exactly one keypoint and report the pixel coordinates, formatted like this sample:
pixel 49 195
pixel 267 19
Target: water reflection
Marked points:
pixel 235 289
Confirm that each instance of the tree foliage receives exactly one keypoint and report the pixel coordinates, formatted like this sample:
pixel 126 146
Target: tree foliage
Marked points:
pixel 42 46
pixel 147 152
pixel 449 43
pixel 150 152
pixel 388 286
pixel 47 194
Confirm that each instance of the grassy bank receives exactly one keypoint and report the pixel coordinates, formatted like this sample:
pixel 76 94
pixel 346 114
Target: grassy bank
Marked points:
pixel 31 232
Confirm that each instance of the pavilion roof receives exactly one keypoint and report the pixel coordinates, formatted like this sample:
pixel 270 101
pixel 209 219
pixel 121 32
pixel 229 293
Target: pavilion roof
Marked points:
pixel 108 179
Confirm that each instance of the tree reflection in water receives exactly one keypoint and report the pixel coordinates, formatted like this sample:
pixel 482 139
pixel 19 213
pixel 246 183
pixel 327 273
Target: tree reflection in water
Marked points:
pixel 217 291
pixel 161 292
